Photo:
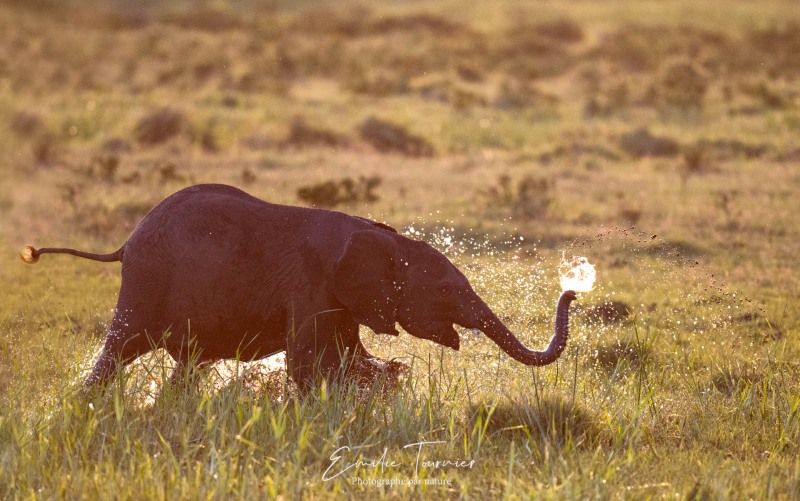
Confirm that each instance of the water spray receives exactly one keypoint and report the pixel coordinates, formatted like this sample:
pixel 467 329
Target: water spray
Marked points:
pixel 576 274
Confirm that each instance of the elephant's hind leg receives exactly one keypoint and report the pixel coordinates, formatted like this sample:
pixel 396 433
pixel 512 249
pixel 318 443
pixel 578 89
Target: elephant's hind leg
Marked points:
pixel 124 343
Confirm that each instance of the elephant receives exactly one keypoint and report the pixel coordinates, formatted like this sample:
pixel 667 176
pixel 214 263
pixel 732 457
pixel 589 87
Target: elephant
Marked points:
pixel 214 273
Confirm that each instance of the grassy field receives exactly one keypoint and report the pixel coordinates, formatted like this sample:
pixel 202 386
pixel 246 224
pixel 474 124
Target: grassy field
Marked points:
pixel 659 139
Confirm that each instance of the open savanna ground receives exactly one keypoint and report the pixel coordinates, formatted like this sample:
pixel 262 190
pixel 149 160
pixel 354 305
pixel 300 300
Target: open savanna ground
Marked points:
pixel 659 139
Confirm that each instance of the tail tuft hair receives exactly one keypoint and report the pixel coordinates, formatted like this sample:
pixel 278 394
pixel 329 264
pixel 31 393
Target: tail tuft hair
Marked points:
pixel 29 254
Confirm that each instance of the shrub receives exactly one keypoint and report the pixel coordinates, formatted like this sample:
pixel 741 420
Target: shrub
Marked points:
pixel 563 30
pixel 729 149
pixel 778 47
pixel 640 143
pixel 301 133
pixel 104 167
pixel 168 172
pixel 681 85
pixel 529 197
pixel 533 196
pixel 24 123
pixel 387 137
pixel 47 151
pixel 116 146
pixel 522 93
pixel 631 215
pixel 377 82
pixel 159 126
pixel 211 19
pixel 344 191
pixel 107 221
pixel 248 177
pixel 416 23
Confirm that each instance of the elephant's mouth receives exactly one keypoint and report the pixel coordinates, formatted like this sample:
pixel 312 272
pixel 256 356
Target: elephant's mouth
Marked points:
pixel 438 332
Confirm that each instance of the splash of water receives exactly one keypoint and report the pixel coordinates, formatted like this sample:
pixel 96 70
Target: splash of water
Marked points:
pixel 576 274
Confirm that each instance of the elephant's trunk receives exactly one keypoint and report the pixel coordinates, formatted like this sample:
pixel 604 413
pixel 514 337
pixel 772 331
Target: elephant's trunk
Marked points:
pixel 500 334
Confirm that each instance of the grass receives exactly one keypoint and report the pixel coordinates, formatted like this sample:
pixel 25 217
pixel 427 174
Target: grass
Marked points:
pixel 522 110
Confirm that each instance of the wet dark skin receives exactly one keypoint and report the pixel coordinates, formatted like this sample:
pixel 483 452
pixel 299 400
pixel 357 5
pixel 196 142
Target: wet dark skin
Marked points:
pixel 213 273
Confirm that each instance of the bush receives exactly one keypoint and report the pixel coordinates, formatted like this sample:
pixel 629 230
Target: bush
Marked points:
pixel 303 134
pixel 47 151
pixel 160 126
pixel 522 93
pixel 681 85
pixel 344 191
pixel 563 30
pixel 106 221
pixel 376 82
pixel 104 167
pixel 211 19
pixel 387 137
pixel 640 143
pixel 529 197
pixel 24 123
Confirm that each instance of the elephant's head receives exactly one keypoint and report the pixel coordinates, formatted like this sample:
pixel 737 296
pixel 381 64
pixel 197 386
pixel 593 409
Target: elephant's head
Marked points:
pixel 384 278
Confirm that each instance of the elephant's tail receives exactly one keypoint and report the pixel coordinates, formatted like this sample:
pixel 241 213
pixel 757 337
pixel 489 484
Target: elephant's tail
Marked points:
pixel 31 255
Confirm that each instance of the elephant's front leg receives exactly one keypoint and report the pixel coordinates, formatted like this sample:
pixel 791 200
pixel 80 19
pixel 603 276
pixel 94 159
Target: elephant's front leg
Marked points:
pixel 325 345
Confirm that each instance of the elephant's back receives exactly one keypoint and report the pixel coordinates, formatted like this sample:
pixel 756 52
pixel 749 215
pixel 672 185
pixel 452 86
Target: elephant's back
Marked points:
pixel 207 223
pixel 203 201
pixel 207 207
pixel 210 224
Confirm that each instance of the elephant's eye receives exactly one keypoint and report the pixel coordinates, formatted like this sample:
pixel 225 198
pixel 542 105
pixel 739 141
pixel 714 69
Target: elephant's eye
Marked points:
pixel 445 290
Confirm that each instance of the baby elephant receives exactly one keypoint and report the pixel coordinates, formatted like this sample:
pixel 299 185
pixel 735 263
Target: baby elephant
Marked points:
pixel 215 273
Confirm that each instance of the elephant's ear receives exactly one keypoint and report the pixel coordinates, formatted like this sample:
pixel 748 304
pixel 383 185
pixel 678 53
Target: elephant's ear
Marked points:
pixel 366 280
